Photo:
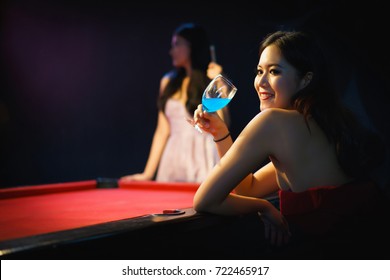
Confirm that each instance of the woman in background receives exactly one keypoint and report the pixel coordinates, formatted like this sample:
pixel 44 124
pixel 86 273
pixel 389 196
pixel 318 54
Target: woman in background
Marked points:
pixel 178 152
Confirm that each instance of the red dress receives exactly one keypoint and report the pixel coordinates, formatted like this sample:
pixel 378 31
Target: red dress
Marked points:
pixel 329 209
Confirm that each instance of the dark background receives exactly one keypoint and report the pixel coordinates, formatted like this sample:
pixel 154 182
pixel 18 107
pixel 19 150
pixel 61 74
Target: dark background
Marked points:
pixel 80 79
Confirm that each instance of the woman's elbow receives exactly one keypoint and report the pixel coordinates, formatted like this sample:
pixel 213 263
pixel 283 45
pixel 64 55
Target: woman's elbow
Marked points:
pixel 199 204
pixel 240 191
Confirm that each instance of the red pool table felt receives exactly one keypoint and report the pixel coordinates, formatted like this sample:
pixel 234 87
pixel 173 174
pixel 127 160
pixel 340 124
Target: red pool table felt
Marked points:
pixel 32 210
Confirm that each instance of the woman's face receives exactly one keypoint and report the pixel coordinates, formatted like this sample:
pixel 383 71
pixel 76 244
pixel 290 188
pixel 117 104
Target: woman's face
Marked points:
pixel 276 80
pixel 180 52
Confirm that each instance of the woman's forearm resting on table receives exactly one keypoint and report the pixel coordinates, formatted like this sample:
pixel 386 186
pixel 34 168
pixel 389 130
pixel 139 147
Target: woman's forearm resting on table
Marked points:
pixel 233 205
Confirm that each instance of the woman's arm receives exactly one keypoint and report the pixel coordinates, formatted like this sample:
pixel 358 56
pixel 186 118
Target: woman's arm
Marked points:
pixel 160 138
pixel 159 141
pixel 247 153
pixel 215 125
pixel 259 184
pixel 256 142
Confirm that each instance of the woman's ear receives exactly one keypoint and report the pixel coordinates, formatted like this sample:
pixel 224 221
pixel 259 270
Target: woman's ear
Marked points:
pixel 306 80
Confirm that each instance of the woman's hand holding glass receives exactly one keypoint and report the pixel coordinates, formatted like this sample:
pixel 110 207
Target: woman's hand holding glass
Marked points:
pixel 210 122
pixel 216 96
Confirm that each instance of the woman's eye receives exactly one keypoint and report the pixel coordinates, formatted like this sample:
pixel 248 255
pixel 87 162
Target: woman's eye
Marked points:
pixel 259 72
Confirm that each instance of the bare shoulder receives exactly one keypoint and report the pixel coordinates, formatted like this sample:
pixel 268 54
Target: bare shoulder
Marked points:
pixel 281 114
pixel 292 125
pixel 280 129
pixel 278 118
pixel 271 126
pixel 299 149
pixel 164 81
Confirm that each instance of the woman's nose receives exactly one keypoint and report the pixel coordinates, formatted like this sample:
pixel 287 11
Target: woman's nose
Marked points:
pixel 262 80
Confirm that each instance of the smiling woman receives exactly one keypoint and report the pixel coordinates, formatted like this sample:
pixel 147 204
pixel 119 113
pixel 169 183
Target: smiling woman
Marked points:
pixel 316 148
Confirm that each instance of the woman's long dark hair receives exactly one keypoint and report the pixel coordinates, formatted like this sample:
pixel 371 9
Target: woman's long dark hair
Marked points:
pixel 357 148
pixel 200 59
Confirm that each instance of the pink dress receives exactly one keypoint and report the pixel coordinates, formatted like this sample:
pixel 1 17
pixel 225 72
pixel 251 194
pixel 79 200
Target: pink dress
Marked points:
pixel 188 155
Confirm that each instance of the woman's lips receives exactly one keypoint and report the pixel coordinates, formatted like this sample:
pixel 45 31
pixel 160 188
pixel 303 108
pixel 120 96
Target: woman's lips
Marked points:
pixel 265 95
